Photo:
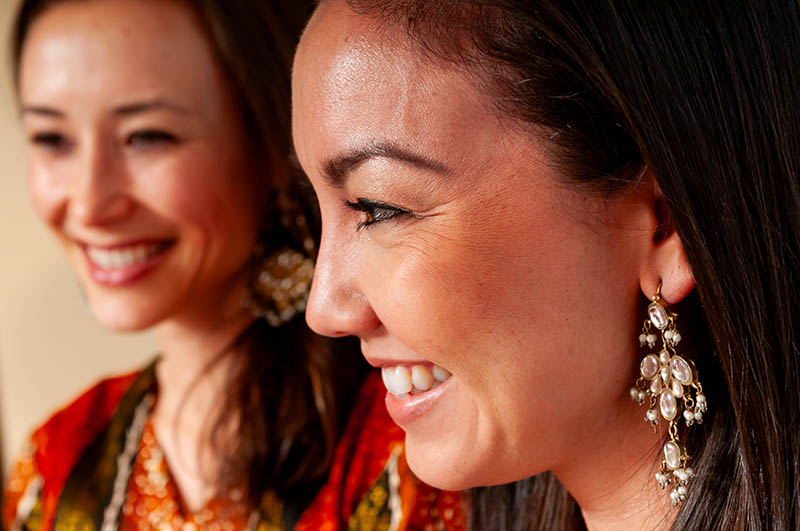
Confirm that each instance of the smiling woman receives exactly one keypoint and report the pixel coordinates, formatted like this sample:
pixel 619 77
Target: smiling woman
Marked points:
pixel 159 135
pixel 533 212
pixel 162 134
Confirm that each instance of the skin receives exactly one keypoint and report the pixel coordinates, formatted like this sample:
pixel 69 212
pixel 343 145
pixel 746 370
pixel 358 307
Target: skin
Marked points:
pixel 135 135
pixel 527 291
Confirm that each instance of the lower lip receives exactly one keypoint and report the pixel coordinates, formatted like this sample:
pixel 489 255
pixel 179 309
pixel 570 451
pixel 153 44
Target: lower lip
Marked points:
pixel 127 275
pixel 405 410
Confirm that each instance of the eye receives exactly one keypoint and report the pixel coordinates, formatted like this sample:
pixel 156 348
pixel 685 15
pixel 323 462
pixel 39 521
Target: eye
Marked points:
pixel 376 211
pixel 149 137
pixel 50 140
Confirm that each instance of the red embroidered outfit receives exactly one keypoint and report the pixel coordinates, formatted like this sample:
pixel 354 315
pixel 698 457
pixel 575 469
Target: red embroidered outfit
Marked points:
pixel 96 465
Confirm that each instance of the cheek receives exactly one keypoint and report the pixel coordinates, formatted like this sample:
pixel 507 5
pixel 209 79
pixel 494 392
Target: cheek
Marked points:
pixel 520 308
pixel 434 291
pixel 48 192
pixel 462 274
pixel 200 193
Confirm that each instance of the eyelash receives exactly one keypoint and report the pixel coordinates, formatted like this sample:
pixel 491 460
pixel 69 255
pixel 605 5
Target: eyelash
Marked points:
pixel 149 137
pixel 144 138
pixel 54 141
pixel 376 211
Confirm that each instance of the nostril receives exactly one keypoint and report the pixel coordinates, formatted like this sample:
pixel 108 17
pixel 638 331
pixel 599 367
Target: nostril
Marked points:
pixel 341 316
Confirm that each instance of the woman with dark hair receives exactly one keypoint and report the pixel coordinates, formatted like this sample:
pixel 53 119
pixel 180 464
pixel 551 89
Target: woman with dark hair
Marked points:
pixel 560 206
pixel 159 135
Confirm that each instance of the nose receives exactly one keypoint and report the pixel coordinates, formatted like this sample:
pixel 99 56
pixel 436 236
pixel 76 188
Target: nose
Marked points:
pixel 336 305
pixel 98 192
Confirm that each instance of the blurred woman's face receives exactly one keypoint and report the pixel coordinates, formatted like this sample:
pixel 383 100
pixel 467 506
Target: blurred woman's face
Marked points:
pixel 500 304
pixel 138 160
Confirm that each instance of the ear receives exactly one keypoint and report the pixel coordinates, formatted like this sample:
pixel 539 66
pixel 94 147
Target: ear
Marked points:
pixel 667 261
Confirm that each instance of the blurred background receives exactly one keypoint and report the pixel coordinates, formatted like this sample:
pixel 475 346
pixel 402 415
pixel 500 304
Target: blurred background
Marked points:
pixel 50 347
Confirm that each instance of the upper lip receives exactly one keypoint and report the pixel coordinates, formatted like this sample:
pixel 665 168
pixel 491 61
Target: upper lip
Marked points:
pixel 379 363
pixel 375 346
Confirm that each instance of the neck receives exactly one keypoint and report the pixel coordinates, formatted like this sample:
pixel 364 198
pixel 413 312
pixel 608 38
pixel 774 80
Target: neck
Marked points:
pixel 188 351
pixel 192 380
pixel 612 476
pixel 192 340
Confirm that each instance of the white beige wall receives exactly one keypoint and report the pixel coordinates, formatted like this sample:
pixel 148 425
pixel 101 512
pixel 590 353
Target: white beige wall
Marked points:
pixel 50 348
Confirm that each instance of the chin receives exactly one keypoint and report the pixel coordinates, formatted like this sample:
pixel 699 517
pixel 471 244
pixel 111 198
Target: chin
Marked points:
pixel 435 473
pixel 121 316
pixel 446 469
pixel 462 463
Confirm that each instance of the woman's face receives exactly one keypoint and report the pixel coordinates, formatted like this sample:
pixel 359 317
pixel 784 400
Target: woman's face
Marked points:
pixel 450 243
pixel 138 159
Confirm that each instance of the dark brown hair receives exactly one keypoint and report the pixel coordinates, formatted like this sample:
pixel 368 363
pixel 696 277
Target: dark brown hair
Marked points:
pixel 289 390
pixel 705 95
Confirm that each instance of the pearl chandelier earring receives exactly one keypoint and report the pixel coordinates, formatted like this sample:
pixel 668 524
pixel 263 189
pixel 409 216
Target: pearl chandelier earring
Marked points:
pixel 669 385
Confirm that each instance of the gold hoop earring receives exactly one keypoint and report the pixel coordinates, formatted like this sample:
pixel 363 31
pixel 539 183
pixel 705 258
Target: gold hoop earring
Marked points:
pixel 669 384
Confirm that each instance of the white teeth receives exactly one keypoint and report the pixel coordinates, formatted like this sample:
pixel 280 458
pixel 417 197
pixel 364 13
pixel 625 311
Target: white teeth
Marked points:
pixel 116 259
pixel 441 374
pixel 386 374
pixel 397 380
pixel 127 257
pixel 98 258
pixel 119 258
pixel 422 377
pixel 400 380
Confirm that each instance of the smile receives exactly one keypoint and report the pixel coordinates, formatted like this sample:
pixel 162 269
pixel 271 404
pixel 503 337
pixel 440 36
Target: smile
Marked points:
pixel 401 380
pixel 124 264
pixel 121 257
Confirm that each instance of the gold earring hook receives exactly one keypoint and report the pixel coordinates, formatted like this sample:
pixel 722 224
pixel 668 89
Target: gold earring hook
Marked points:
pixel 657 296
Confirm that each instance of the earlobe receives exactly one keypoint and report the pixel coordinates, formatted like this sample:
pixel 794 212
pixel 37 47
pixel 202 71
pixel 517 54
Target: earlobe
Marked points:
pixel 667 262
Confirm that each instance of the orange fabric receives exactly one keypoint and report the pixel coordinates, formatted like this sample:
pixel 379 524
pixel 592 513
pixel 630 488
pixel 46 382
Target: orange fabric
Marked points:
pixel 153 501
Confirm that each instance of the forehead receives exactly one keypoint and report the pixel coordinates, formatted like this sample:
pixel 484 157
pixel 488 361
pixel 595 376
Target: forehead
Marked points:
pixel 356 81
pixel 83 48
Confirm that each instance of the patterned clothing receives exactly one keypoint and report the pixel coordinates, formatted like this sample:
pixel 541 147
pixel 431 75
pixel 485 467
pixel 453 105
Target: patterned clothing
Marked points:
pixel 96 465
pixel 153 499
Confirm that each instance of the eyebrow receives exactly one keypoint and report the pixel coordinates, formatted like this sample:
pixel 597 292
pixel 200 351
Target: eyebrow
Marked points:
pixel 41 110
pixel 123 110
pixel 152 105
pixel 337 170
